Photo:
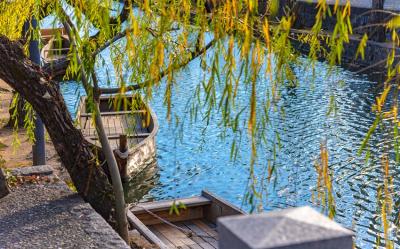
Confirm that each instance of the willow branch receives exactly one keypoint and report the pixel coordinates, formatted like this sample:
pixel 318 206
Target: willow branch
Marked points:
pixel 162 74
pixel 111 41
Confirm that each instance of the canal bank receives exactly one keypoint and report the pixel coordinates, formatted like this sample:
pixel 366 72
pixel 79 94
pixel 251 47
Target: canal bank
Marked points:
pixel 363 15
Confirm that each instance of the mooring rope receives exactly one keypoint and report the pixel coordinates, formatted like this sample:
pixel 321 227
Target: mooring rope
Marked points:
pixel 187 232
pixel 122 155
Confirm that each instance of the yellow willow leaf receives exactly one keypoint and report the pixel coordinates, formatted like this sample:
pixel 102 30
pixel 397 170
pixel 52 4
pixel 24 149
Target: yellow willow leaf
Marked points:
pixel 381 99
pixel 252 119
pixel 346 11
pixel 393 23
pixel 251 5
pixel 336 6
pixel 362 46
pixel 135 27
pixel 273 7
pixel 395 112
pixel 231 44
pixel 160 53
pixel 234 7
pixel 266 34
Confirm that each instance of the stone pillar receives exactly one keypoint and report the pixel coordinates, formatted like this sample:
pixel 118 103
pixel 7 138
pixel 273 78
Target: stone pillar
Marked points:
pixel 294 228
pixel 3 185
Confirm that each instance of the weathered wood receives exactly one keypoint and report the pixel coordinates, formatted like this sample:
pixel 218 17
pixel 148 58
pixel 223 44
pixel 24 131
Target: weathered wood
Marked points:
pixel 176 236
pixel 209 231
pixel 167 204
pixel 203 239
pixel 116 136
pixel 193 219
pixel 113 113
pixel 184 215
pixel 218 208
pixel 122 162
pixel 145 231
pixel 164 239
pixel 3 185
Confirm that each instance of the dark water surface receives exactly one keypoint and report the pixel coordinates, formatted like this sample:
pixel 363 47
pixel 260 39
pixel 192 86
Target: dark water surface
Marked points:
pixel 192 158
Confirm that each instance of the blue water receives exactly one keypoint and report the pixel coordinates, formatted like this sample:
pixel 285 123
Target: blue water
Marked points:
pixel 194 156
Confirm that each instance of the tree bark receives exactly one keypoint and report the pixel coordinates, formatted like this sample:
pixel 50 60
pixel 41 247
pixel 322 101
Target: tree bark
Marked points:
pixel 3 185
pixel 75 152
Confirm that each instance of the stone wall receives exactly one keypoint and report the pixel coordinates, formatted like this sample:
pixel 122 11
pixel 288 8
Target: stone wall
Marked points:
pixel 375 52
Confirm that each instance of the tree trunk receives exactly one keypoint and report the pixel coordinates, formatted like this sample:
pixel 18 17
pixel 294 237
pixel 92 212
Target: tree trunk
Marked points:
pixel 75 152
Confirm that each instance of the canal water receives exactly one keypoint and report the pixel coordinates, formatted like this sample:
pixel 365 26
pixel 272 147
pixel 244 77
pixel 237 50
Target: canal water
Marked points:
pixel 194 156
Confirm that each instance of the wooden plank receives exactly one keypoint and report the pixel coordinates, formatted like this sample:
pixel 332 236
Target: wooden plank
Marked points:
pixel 116 125
pixel 202 243
pixel 209 241
pixel 177 237
pixel 145 231
pixel 161 236
pixel 116 136
pixel 167 204
pixel 186 214
pixel 114 113
pixel 219 207
pixel 207 229
pixel 195 246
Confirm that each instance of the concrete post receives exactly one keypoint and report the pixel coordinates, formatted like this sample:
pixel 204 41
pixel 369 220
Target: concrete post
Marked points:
pixel 295 228
pixel 38 149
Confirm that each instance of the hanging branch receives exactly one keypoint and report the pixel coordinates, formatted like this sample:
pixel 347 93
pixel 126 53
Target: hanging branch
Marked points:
pixel 193 55
pixel 120 206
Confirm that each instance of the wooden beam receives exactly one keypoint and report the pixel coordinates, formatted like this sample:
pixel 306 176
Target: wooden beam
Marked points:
pixel 116 136
pixel 114 113
pixel 145 231
pixel 166 205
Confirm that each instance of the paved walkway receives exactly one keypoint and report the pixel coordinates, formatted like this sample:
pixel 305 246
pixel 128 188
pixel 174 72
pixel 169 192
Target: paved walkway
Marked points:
pixel 52 216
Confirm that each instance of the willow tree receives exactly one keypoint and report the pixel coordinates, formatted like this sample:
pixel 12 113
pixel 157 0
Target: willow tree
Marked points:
pixel 149 43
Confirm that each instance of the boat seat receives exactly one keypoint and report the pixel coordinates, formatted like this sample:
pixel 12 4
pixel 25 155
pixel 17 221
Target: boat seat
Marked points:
pixel 167 204
pixel 116 136
pixel 113 113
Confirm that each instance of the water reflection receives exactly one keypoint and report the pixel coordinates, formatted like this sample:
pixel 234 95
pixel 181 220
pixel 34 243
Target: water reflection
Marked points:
pixel 140 185
pixel 193 157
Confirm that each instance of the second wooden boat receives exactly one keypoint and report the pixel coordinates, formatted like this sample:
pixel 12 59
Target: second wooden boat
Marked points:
pixel 193 227
pixel 54 53
pixel 131 127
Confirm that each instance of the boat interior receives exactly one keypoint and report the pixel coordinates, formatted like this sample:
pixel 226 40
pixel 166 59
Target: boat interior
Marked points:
pixel 121 115
pixel 193 227
pixel 56 44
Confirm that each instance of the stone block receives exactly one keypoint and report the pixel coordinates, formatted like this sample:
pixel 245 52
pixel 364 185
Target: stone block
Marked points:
pixel 33 170
pixel 294 228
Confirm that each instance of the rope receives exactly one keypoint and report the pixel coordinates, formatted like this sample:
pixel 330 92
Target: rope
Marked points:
pixel 122 155
pixel 187 232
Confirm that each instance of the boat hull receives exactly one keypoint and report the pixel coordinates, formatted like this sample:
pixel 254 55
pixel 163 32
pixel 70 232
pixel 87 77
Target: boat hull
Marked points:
pixel 142 156
pixel 140 126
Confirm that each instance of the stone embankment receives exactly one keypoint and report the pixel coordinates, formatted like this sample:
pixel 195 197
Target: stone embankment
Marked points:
pixel 42 212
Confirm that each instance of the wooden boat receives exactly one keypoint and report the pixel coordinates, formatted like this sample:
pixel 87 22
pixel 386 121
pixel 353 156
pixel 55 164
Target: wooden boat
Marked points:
pixel 194 227
pixel 56 44
pixel 123 116
pixel 54 53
